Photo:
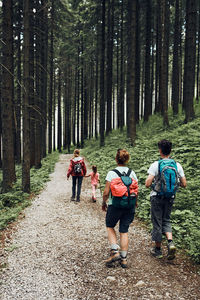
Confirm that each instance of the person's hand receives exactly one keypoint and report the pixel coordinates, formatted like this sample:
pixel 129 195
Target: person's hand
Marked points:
pixel 67 177
pixel 136 204
pixel 104 206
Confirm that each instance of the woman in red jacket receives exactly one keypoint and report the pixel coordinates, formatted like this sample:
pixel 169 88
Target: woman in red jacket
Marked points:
pixel 77 170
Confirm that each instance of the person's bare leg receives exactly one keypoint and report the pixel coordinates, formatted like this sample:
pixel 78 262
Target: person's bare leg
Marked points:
pixel 115 256
pixel 124 241
pixel 124 248
pixel 112 237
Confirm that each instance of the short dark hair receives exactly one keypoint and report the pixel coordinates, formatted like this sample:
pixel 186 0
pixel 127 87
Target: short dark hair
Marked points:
pixel 165 146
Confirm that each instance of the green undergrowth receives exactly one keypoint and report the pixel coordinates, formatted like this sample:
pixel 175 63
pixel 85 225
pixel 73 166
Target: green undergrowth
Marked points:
pixel 13 202
pixel 185 138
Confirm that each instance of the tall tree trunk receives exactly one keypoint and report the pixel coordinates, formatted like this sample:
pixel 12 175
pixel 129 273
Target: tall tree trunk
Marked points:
pixel 78 100
pixel 175 71
pixel 19 84
pixel 102 97
pixel 26 101
pixel 96 93
pixel 121 90
pixel 137 63
pixel 109 65
pixel 189 64
pixel 131 120
pixel 7 97
pixel 59 128
pixel 198 58
pixel 44 56
pixel 31 85
pixel 86 101
pixel 51 79
pixel 38 105
pixel 147 99
pixel 158 56
pixel 164 60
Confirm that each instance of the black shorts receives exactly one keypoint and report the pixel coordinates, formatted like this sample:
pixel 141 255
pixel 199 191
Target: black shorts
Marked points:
pixel 125 216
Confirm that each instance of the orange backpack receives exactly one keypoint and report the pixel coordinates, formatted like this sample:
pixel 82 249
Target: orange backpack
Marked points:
pixel 124 190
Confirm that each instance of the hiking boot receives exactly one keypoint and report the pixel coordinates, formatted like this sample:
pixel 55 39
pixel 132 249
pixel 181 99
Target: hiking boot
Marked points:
pixel 72 198
pixel 114 256
pixel 78 200
pixel 171 251
pixel 123 262
pixel 156 252
pixel 94 199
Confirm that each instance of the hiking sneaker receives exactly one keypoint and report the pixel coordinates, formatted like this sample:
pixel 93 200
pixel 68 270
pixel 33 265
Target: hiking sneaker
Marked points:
pixel 78 200
pixel 156 252
pixel 171 251
pixel 72 198
pixel 94 199
pixel 123 262
pixel 114 256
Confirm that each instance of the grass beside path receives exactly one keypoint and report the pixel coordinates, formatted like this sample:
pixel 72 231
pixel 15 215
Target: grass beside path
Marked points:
pixel 13 202
pixel 185 139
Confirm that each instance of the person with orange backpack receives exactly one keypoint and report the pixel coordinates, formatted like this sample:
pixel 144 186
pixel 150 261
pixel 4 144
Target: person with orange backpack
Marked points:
pixel 121 190
pixel 77 170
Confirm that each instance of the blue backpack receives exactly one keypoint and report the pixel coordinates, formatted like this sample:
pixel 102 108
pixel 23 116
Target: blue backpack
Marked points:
pixel 168 177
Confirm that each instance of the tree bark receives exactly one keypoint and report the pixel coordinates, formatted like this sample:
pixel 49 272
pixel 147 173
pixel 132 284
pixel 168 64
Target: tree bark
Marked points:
pixel 102 97
pixel 26 101
pixel 7 97
pixel 147 97
pixel 189 64
pixel 175 71
pixel 131 120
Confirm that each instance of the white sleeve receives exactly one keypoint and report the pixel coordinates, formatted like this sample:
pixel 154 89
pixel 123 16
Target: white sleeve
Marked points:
pixel 109 176
pixel 133 175
pixel 153 169
pixel 180 170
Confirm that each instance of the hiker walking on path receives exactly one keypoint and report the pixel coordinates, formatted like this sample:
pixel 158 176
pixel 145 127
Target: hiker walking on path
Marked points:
pixel 165 175
pixel 77 170
pixel 119 209
pixel 94 181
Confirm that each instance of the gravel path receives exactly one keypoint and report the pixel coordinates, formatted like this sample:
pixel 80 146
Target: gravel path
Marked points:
pixel 57 251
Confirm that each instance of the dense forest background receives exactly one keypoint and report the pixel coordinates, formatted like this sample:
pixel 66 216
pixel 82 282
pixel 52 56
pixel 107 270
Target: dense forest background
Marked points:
pixel 73 70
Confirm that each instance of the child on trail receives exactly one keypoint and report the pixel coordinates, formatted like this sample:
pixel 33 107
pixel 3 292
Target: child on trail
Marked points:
pixel 166 175
pixel 77 170
pixel 94 181
pixel 121 189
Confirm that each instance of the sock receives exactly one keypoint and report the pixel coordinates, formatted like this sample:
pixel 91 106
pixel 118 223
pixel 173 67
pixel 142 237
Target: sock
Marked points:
pixel 123 253
pixel 114 247
pixel 169 241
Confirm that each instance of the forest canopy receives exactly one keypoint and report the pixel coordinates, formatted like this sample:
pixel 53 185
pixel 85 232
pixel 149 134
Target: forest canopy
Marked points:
pixel 73 70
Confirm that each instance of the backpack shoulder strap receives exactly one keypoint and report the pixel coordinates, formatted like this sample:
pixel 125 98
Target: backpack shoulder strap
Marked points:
pixel 129 172
pixel 117 172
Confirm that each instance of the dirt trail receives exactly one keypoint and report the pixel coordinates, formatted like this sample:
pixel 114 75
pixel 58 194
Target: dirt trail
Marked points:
pixel 59 248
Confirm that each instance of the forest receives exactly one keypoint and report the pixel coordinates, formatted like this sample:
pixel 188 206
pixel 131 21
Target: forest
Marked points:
pixel 82 73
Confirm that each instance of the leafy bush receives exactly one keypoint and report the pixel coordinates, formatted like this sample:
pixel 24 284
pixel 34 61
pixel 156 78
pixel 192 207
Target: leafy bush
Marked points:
pixel 12 203
pixel 185 138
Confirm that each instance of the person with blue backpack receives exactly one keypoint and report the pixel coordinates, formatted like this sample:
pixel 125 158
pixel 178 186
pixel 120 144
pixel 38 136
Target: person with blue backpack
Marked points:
pixel 165 177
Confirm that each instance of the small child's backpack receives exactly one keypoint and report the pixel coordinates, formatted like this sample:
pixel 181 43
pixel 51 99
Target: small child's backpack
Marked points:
pixel 77 168
pixel 167 178
pixel 124 190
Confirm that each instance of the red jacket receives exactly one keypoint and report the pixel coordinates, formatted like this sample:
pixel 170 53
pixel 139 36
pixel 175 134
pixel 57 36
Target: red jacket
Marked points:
pixel 71 167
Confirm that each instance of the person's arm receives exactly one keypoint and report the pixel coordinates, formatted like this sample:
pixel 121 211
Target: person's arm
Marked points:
pixel 183 182
pixel 69 169
pixel 149 180
pixel 88 175
pixel 106 195
pixel 84 168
